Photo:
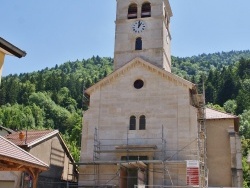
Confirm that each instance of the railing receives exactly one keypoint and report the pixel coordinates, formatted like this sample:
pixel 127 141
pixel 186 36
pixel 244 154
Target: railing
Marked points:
pixel 158 146
pixel 116 144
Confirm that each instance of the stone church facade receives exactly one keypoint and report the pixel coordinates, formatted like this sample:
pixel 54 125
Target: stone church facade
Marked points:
pixel 146 127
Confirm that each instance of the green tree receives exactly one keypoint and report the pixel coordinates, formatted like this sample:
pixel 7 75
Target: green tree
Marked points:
pixel 243 98
pixel 228 86
pixel 245 143
pixel 17 117
pixel 215 107
pixel 230 106
pixel 26 89
pixel 244 68
pixel 245 124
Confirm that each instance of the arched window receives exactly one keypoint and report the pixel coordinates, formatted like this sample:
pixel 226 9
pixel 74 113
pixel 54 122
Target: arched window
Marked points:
pixel 146 10
pixel 142 123
pixel 138 43
pixel 132 11
pixel 132 123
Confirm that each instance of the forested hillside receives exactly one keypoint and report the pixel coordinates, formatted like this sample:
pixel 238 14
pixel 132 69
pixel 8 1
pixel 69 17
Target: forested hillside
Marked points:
pixel 53 98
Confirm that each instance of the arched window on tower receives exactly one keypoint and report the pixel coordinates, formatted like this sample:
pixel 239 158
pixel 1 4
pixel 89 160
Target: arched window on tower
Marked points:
pixel 132 11
pixel 132 123
pixel 138 43
pixel 142 123
pixel 146 10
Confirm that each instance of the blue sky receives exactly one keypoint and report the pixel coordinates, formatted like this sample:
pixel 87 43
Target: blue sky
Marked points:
pixel 53 32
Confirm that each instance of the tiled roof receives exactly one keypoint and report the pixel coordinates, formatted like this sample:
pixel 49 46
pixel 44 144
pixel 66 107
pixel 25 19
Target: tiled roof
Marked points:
pixel 214 114
pixel 35 137
pixel 13 152
pixel 32 137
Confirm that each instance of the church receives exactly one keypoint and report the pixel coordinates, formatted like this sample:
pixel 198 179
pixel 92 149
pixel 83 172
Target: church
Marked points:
pixel 147 127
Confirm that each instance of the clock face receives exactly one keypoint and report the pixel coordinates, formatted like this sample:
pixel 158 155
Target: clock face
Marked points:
pixel 139 26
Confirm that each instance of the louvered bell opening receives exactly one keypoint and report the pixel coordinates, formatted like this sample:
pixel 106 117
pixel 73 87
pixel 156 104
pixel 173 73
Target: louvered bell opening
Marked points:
pixel 132 11
pixel 146 10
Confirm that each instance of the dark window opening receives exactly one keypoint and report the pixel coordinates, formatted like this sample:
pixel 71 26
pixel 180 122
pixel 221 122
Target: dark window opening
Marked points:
pixel 132 123
pixel 142 123
pixel 132 11
pixel 138 44
pixel 138 84
pixel 146 10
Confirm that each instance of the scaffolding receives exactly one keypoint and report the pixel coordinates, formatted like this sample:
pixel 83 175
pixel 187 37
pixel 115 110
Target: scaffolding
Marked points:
pixel 162 161
pixel 156 146
pixel 199 102
pixel 159 162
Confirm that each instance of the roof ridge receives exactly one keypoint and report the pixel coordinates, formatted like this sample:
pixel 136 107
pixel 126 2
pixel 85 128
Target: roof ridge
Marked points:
pixel 42 138
pixel 27 153
pixel 66 147
pixel 138 60
pixel 222 112
pixel 216 114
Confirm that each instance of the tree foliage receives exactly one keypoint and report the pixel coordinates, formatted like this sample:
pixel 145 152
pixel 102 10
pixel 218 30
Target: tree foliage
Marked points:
pixel 51 98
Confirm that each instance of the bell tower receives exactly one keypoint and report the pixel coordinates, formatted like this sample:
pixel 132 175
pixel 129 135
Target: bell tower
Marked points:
pixel 142 30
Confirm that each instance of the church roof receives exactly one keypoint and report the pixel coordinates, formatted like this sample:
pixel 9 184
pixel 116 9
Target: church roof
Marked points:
pixel 214 114
pixel 141 62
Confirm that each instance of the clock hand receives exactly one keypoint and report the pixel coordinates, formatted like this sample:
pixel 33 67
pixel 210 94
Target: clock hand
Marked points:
pixel 139 24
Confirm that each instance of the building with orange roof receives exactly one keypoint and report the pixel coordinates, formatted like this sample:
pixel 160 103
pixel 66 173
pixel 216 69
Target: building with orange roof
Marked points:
pixel 223 147
pixel 47 146
pixel 13 158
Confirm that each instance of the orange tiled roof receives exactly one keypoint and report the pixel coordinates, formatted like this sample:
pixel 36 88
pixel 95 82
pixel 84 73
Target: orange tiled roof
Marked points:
pixel 33 137
pixel 214 114
pixel 13 152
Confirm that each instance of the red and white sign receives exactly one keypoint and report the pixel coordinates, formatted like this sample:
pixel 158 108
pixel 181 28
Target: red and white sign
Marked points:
pixel 193 173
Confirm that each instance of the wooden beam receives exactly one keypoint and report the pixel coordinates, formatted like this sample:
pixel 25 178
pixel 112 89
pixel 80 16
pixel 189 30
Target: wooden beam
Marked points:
pixel 34 173
pixel 9 161
pixel 10 165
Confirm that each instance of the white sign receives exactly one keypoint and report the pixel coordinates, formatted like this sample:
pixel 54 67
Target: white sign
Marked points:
pixel 192 164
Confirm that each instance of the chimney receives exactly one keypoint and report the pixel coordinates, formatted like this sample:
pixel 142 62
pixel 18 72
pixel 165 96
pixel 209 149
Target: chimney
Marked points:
pixel 21 135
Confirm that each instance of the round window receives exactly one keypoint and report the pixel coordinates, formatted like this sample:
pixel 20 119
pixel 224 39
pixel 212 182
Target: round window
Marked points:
pixel 138 84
